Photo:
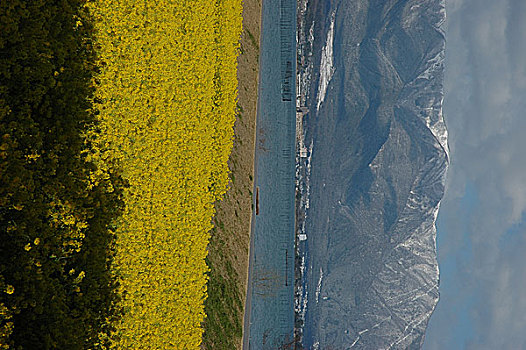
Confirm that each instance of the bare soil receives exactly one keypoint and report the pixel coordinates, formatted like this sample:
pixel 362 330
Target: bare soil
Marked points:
pixel 229 244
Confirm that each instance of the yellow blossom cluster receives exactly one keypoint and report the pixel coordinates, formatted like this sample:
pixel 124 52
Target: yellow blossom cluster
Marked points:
pixel 65 216
pixel 6 323
pixel 166 96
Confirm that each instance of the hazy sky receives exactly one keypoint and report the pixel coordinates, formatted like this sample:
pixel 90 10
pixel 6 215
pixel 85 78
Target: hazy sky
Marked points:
pixel 482 222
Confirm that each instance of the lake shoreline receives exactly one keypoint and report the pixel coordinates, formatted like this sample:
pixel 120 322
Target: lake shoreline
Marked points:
pixel 230 237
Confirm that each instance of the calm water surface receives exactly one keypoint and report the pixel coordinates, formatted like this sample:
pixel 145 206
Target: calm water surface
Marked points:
pixel 269 317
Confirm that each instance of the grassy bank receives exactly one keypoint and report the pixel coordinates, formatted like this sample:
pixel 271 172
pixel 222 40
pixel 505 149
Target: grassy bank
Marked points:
pixel 229 243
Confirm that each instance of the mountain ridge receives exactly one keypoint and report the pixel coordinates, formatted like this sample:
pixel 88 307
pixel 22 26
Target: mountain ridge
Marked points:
pixel 377 173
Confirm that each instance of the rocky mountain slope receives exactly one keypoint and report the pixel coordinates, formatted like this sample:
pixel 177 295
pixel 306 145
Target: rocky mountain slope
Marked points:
pixel 376 172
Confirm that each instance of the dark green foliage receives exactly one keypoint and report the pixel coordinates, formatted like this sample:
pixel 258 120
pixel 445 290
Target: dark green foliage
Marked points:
pixel 46 66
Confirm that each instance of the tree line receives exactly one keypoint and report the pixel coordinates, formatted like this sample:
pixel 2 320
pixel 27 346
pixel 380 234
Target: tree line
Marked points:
pixel 57 209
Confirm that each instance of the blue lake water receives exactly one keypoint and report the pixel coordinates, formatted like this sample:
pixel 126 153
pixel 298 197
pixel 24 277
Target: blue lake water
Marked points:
pixel 269 316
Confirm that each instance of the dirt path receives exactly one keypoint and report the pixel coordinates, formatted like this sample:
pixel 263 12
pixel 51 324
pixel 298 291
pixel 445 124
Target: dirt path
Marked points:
pixel 229 244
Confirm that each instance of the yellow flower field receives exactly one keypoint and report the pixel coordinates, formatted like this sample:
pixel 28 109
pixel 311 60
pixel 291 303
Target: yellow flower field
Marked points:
pixel 166 93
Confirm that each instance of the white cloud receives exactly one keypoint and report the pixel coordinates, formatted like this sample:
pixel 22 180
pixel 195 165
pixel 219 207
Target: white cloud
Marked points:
pixel 484 107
